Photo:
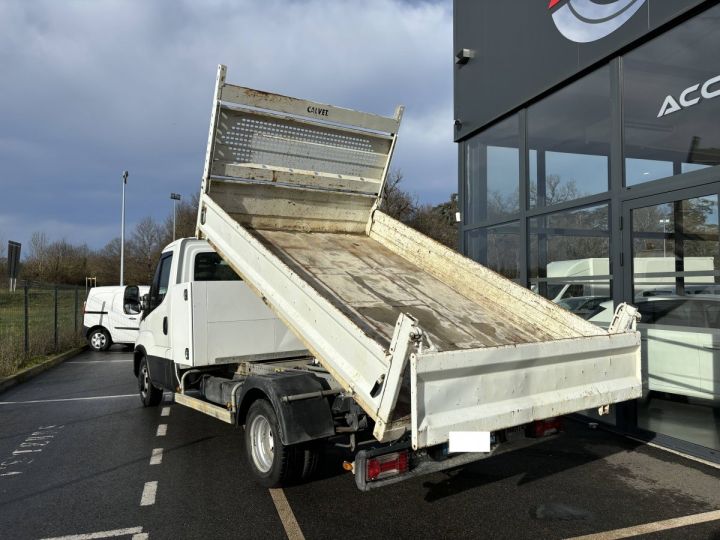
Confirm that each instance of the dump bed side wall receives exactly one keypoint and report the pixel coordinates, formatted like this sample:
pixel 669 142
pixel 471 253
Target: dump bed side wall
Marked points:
pixel 356 361
pixel 477 282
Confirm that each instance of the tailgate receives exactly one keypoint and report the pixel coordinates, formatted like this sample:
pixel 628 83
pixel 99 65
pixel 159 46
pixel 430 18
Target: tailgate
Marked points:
pixel 500 387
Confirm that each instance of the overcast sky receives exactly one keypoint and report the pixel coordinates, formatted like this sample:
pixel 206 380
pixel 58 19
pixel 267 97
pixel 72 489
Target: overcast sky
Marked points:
pixel 90 88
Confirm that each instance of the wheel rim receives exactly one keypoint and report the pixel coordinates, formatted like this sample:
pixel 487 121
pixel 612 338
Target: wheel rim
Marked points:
pixel 263 445
pixel 97 340
pixel 144 381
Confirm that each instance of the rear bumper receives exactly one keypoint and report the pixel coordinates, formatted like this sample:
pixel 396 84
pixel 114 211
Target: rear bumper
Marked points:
pixel 423 463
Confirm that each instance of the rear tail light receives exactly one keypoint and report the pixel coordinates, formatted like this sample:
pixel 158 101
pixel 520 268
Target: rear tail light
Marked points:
pixel 543 428
pixel 84 306
pixel 388 465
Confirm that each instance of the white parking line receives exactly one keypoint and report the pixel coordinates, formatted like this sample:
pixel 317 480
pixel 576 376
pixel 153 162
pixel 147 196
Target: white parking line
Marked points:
pixel 148 494
pixel 287 517
pixel 66 399
pixel 99 362
pixel 656 526
pixel 156 458
pixel 103 534
pixel 161 430
pixel 165 411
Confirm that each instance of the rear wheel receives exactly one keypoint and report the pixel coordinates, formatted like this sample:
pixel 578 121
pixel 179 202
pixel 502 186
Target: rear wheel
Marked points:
pixel 273 463
pixel 99 339
pixel 310 456
pixel 149 394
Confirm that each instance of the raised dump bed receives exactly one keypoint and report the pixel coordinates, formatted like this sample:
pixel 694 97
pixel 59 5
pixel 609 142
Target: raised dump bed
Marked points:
pixel 426 340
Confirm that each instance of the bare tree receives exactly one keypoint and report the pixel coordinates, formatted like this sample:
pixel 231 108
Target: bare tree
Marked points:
pixel 395 202
pixel 438 222
pixel 185 220
pixel 143 251
pixel 105 263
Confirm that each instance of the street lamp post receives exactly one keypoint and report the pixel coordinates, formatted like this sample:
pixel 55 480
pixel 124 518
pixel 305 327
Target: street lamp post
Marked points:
pixel 175 198
pixel 122 231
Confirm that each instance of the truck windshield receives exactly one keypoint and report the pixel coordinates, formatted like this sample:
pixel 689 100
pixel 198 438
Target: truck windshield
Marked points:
pixel 210 267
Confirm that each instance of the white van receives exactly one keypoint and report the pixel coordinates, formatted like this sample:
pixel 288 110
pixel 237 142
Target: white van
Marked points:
pixel 112 315
pixel 680 343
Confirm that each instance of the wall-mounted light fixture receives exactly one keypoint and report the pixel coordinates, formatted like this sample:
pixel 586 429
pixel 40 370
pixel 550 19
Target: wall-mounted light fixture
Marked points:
pixel 463 56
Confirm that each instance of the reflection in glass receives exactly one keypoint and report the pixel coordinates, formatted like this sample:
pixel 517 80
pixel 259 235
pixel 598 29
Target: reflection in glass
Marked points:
pixel 675 287
pixel 569 259
pixel 473 247
pixel 569 140
pixel 645 170
pixel 503 249
pixel 492 173
pixel 496 247
pixel 665 67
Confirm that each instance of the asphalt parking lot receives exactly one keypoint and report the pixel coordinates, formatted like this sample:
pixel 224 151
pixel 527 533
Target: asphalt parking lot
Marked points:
pixel 81 458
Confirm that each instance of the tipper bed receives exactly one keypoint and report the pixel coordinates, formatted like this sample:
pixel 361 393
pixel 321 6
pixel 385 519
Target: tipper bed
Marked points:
pixel 290 199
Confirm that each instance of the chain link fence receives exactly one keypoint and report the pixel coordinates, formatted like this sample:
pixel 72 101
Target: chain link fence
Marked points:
pixel 37 320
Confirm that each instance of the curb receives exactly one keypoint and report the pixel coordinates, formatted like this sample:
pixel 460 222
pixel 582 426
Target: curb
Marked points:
pixel 28 373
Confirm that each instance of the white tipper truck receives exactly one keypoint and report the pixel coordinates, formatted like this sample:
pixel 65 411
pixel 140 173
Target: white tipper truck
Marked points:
pixel 305 314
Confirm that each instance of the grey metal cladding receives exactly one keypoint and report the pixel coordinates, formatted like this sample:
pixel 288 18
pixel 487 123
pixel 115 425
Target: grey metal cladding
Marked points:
pixel 519 53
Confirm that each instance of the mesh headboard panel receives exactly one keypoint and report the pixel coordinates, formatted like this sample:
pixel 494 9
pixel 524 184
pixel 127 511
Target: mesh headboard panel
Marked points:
pixel 245 137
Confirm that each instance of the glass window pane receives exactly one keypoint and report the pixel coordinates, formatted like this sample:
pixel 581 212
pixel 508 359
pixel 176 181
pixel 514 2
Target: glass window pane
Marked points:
pixel 644 170
pixel 676 287
pixel 669 108
pixel 496 247
pixel 569 140
pixel 492 173
pixel 503 249
pixel 569 261
pixel 209 266
pixel 473 244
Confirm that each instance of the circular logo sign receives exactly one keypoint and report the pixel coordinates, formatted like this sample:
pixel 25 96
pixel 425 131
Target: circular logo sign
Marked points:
pixel 583 21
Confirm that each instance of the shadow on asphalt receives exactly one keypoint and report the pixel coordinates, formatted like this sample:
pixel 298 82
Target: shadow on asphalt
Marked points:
pixel 576 447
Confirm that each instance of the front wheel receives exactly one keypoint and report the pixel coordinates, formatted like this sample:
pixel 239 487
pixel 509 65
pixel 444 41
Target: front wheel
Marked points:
pixel 149 394
pixel 273 463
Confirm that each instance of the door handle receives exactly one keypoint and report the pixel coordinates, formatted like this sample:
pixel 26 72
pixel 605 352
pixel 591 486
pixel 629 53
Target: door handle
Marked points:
pixel 165 325
pixel 132 318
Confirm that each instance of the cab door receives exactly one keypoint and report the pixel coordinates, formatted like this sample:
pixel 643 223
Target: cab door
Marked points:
pixel 156 324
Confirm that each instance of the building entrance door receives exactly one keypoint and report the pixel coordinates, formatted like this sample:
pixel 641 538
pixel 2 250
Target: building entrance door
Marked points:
pixel 671 252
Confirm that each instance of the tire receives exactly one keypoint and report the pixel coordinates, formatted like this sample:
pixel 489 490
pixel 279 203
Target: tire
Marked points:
pixel 149 394
pixel 272 463
pixel 310 460
pixel 99 339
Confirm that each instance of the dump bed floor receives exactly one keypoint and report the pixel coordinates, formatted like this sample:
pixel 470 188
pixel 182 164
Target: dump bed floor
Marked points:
pixel 372 286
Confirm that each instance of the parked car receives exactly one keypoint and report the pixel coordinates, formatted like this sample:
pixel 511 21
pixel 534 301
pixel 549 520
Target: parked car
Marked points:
pixel 584 306
pixel 680 343
pixel 112 315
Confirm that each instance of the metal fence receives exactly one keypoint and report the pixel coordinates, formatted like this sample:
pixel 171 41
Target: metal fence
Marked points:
pixel 37 320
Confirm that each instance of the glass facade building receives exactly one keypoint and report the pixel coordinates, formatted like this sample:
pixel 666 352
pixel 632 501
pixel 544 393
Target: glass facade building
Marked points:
pixel 605 189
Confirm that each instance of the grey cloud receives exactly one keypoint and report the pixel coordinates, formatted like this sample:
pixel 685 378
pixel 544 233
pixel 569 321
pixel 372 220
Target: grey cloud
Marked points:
pixel 92 88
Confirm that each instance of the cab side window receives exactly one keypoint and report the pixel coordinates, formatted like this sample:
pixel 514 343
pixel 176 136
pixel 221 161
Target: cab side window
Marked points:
pixel 160 282
pixel 164 277
pixel 210 267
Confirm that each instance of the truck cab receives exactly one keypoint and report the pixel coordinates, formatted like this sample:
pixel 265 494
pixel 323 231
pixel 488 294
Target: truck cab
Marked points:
pixel 199 312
